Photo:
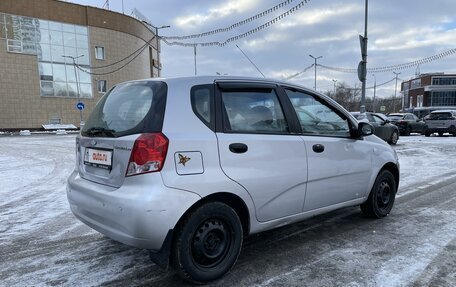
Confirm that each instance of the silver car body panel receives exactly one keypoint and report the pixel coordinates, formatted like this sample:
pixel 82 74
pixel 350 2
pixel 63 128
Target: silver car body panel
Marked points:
pixel 139 213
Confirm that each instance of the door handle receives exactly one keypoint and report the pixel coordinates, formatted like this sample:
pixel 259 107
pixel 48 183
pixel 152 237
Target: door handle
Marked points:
pixel 238 148
pixel 318 148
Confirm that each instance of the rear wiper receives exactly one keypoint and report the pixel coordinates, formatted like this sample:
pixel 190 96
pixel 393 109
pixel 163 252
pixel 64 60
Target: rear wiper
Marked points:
pixel 100 130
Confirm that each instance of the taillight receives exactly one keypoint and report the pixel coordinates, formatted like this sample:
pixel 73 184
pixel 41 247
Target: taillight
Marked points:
pixel 402 122
pixel 148 154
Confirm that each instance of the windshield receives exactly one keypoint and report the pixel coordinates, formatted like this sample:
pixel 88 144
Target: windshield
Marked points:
pixel 125 108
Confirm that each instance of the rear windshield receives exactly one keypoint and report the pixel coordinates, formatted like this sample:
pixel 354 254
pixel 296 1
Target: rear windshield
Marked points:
pixel 395 117
pixel 130 108
pixel 441 116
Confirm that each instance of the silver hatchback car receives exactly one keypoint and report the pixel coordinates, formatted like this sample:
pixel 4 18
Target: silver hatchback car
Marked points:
pixel 187 167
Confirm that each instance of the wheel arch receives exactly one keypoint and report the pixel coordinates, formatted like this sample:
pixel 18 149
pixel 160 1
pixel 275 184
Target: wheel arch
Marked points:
pixel 391 167
pixel 230 199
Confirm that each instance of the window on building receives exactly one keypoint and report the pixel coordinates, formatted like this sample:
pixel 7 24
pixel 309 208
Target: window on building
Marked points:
pixel 419 101
pixel 101 86
pixel 99 53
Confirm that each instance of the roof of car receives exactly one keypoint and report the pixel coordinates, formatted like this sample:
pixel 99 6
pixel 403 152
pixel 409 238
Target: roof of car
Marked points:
pixel 443 111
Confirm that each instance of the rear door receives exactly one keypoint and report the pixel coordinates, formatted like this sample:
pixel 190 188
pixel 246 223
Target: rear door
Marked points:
pixel 105 144
pixel 339 167
pixel 258 149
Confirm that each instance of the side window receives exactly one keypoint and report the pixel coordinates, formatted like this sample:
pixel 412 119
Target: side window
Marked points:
pixel 371 118
pixel 202 98
pixel 316 117
pixel 377 119
pixel 253 111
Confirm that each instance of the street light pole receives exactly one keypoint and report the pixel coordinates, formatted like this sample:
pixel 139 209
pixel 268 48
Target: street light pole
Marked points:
pixel 158 40
pixel 362 73
pixel 149 26
pixel 77 84
pixel 334 87
pixel 395 91
pixel 194 54
pixel 375 87
pixel 315 66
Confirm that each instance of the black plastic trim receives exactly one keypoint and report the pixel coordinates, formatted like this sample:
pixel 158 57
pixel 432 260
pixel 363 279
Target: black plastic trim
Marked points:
pixel 161 257
pixel 211 123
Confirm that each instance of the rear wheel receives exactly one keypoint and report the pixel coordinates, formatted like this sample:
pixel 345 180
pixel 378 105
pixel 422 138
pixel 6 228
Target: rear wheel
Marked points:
pixel 427 133
pixel 394 137
pixel 207 243
pixel 408 131
pixel 382 196
pixel 440 134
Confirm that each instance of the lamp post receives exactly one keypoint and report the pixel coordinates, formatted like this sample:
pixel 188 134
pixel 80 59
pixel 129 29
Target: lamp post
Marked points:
pixel 395 91
pixel 148 25
pixel 334 87
pixel 158 40
pixel 315 65
pixel 362 68
pixel 77 84
pixel 375 87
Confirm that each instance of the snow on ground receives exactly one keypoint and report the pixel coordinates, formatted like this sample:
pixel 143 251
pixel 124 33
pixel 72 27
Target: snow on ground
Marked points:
pixel 425 160
pixel 34 212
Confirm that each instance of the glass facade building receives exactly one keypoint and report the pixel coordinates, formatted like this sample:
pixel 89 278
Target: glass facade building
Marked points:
pixel 39 39
pixel 50 41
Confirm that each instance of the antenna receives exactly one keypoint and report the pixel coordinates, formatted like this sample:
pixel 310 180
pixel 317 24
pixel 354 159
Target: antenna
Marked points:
pixel 106 5
pixel 250 61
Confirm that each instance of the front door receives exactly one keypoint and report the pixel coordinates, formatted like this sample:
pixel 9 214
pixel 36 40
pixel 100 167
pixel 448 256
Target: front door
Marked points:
pixel 339 167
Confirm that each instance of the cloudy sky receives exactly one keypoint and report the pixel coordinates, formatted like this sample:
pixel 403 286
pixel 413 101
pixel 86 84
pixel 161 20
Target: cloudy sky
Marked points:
pixel 398 32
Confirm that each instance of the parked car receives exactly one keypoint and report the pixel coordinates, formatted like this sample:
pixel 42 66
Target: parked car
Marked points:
pixel 441 121
pixel 407 123
pixel 186 167
pixel 382 126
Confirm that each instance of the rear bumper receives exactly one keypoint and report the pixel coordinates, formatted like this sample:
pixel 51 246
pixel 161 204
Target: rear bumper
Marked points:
pixel 140 213
pixel 451 129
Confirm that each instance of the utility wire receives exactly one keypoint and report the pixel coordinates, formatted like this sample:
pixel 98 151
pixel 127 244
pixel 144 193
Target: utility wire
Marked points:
pixel 231 27
pixel 395 67
pixel 140 49
pixel 299 73
pixel 240 36
pixel 111 72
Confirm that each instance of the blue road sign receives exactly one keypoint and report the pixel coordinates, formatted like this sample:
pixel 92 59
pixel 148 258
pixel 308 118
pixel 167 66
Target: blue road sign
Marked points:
pixel 80 106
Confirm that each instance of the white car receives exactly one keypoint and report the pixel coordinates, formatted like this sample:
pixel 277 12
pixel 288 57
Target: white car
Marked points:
pixel 187 167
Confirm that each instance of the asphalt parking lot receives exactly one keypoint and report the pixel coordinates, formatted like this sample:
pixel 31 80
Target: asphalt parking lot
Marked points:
pixel 42 244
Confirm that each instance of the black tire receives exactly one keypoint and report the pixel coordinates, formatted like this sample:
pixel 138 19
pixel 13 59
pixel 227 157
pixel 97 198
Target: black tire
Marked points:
pixel 408 131
pixel 382 196
pixel 207 243
pixel 394 137
pixel 440 134
pixel 427 133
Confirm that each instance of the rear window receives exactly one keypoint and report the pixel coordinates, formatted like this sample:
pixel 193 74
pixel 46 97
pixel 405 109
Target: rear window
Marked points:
pixel 130 108
pixel 441 116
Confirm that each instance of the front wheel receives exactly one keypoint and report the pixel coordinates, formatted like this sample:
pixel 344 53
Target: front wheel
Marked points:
pixel 207 243
pixel 381 198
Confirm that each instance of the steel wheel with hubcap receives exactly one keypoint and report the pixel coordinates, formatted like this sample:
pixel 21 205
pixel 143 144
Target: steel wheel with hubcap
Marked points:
pixel 382 196
pixel 207 243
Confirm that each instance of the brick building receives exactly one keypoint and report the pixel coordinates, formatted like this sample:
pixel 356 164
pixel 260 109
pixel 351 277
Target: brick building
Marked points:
pixel 428 92
pixel 39 86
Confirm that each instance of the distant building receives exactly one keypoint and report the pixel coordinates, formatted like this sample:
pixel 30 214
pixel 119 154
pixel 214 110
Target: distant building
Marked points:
pixel 428 92
pixel 38 86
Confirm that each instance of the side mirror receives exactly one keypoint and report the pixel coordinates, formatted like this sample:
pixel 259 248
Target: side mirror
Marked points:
pixel 365 129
